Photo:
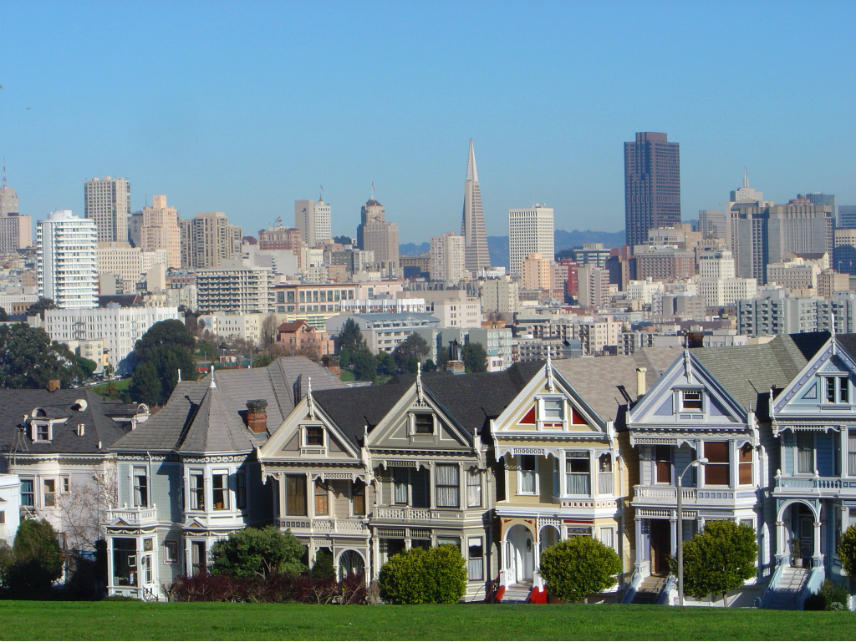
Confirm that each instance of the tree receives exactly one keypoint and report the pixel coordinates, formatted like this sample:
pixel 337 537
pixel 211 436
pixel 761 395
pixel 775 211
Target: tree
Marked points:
pixel 87 366
pixel 351 337
pixel 269 329
pixel 719 559
pixel 261 552
pixel 578 567
pixel 412 347
pixel 3 315
pixel 418 576
pixel 385 364
pixel 364 364
pixel 847 550
pixel 83 509
pixel 29 359
pixel 474 357
pixel 167 348
pixel 38 559
pixel 40 306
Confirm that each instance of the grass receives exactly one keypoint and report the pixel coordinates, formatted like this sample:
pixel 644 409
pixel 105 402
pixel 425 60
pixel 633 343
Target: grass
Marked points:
pixel 112 389
pixel 205 621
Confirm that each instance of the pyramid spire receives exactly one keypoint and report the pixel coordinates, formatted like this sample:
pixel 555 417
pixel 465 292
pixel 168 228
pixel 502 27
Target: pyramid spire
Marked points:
pixel 476 257
pixel 472 170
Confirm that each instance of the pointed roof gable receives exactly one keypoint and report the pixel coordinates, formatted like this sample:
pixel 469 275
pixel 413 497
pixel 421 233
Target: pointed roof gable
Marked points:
pixel 215 429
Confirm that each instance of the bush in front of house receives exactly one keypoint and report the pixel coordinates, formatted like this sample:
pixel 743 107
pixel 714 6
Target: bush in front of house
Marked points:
pixel 418 576
pixel 847 550
pixel 258 552
pixel 35 561
pixel 579 567
pixel 830 597
pixel 273 588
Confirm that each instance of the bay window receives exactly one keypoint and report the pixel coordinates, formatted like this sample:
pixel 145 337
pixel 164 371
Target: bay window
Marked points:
pixel 321 498
pixel 220 490
pixel 805 452
pixel 447 485
pixel 526 475
pixel 745 464
pixel 197 491
pixel 295 495
pixel 474 487
pixel 851 452
pixel 578 473
pixel 717 471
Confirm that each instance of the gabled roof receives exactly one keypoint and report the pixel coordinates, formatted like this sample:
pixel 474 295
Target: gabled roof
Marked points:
pixel 97 417
pixel 200 419
pixel 469 400
pixel 292 326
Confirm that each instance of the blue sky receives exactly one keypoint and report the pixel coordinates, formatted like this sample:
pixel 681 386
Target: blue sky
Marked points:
pixel 244 107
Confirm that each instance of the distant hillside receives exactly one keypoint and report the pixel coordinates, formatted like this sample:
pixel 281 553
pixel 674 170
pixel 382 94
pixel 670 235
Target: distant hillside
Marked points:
pixel 497 246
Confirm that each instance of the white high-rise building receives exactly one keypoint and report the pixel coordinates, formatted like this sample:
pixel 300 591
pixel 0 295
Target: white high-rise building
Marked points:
pixel 530 230
pixel 448 258
pixel 312 218
pixel 108 202
pixel 67 260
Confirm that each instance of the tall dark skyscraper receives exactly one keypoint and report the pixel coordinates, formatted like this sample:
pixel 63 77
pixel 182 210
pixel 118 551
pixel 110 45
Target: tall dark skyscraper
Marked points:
pixel 652 185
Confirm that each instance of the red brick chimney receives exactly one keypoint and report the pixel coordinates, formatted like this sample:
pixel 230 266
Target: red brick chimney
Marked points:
pixel 257 415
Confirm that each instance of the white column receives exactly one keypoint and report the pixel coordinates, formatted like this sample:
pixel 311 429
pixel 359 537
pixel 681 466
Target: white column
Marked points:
pixel 432 495
pixel 310 499
pixel 109 560
pixel 462 487
pixel 563 484
pixel 843 453
pixel 732 463
pixel 844 519
pixel 140 571
pixel 375 565
pixel 780 540
pixel 673 524
pixel 817 555
pixel 503 560
pixel 638 544
pixel 594 473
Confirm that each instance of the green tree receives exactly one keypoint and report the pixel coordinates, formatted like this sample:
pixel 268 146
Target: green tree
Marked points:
pixel 474 357
pixel 429 366
pixel 413 347
pixel 40 306
pixel 719 559
pixel 847 550
pixel 3 315
pixel 323 566
pixel 38 559
pixel 87 366
pixel 168 348
pixel 351 336
pixel 259 552
pixel 578 567
pixel 385 364
pixel 419 576
pixel 29 359
pixel 364 364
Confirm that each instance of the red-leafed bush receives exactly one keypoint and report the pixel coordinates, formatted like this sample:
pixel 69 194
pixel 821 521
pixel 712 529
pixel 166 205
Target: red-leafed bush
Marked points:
pixel 273 588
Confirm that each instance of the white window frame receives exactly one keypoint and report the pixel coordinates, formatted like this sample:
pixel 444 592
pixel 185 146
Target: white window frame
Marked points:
pixel 682 393
pixel 475 541
pixel 474 473
pixel 45 493
pixel 413 416
pixel 607 533
pixel 36 426
pixel 841 384
pixel 520 471
pixel 137 472
pixel 305 437
pixel 542 420
pixel 170 551
pixel 796 448
pixel 227 500
pixel 192 496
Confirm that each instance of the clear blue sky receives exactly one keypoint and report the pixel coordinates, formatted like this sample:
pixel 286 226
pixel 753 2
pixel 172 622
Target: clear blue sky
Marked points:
pixel 244 107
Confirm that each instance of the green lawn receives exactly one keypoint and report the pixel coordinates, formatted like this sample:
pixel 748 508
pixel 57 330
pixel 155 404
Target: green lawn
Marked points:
pixel 140 621
pixel 112 389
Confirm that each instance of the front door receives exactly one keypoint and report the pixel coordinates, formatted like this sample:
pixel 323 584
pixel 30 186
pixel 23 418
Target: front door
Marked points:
pixel 806 535
pixel 521 560
pixel 660 546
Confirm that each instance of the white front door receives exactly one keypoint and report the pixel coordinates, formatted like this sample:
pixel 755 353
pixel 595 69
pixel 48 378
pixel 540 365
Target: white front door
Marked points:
pixel 521 559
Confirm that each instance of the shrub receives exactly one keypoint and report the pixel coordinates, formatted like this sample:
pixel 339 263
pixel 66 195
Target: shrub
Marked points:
pixel 273 588
pixel 847 550
pixel 323 566
pixel 418 576
pixel 830 597
pixel 578 567
pixel 258 552
pixel 38 560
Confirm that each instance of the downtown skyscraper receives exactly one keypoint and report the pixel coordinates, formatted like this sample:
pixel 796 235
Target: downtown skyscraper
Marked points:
pixel 652 185
pixel 107 201
pixel 472 225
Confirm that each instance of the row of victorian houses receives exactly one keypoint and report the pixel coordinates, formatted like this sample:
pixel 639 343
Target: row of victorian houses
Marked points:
pixel 501 465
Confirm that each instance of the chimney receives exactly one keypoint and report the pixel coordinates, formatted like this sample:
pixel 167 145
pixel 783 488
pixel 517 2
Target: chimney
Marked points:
pixel 257 415
pixel 641 387
pixel 53 385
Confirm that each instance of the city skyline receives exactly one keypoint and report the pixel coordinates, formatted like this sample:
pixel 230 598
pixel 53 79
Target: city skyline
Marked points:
pixel 236 140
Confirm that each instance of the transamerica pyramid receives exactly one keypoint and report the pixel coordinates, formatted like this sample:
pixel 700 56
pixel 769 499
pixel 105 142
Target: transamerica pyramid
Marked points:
pixel 472 224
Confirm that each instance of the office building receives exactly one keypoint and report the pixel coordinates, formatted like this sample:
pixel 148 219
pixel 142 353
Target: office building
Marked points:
pixel 159 230
pixel 472 225
pixel 107 201
pixel 537 272
pixel 16 232
pixel 8 197
pixel 652 185
pixel 67 262
pixel 847 216
pixel 500 296
pixel 312 218
pixel 378 235
pixel 448 258
pixel 819 198
pixel 530 230
pixel 208 241
pixel 593 286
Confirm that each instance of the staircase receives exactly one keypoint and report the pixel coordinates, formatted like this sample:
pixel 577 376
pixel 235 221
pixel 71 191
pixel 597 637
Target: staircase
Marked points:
pixel 649 590
pixel 785 595
pixel 516 593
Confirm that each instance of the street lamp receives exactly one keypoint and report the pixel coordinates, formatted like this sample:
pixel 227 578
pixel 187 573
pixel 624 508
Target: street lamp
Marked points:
pixel 680 529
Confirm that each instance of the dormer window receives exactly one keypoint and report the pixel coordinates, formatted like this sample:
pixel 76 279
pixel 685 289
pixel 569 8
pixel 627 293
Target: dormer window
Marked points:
pixel 314 436
pixel 836 390
pixel 423 423
pixel 691 400
pixel 553 410
pixel 41 431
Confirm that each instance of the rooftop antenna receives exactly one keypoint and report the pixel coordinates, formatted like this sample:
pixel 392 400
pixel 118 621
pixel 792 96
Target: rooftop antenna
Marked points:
pixel 745 176
pixel 321 194
pixel 373 198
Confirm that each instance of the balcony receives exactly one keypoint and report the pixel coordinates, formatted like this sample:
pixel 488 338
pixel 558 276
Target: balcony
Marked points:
pixel 134 517
pixel 409 514
pixel 667 496
pixel 324 525
pixel 814 487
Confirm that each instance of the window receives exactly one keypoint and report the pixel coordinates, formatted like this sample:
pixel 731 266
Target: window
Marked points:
pixel 358 498
pixel 66 484
pixel 691 400
pixel 836 390
pixel 805 452
pixel 577 473
pixel 473 487
pixel 745 464
pixel 41 431
pixel 447 485
pixel 449 541
pixel 49 492
pixel 851 453
pixel 717 471
pixel 197 491
pixel 475 559
pixel 553 410
pixel 663 463
pixel 141 487
pixel 423 423
pixel 170 551
pixel 199 558
pixel 400 480
pixel 241 489
pixel 295 495
pixel 526 475
pixel 220 490
pixel 578 531
pixel 28 496
pixel 321 498
pixel 607 537
pixel 314 436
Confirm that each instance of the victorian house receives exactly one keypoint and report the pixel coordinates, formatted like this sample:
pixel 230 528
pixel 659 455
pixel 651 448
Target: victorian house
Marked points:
pixel 814 480
pixel 189 476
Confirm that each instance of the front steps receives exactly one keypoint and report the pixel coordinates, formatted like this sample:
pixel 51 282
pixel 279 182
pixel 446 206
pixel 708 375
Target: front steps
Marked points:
pixel 649 590
pixel 786 594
